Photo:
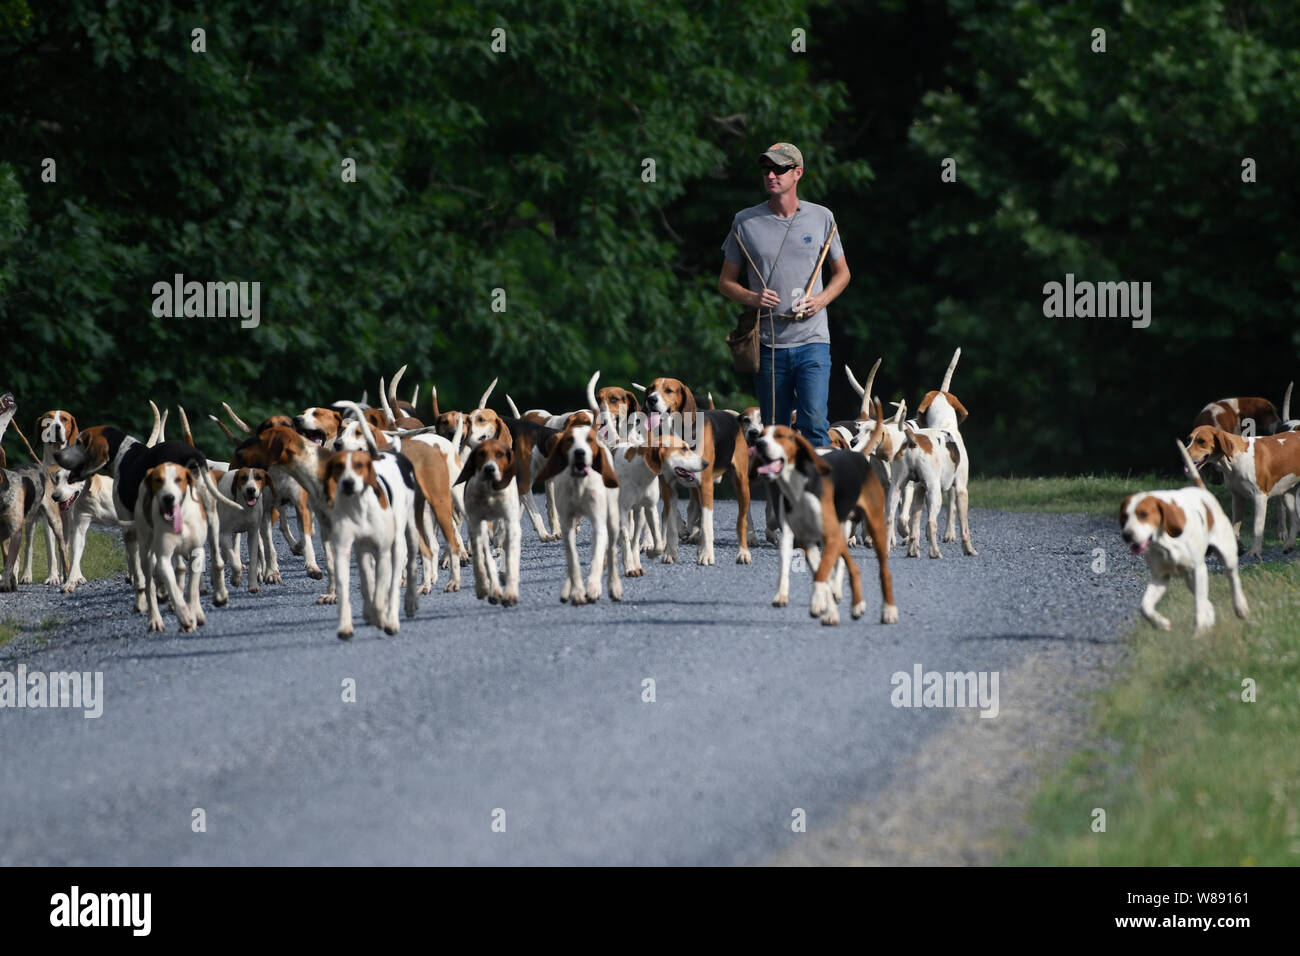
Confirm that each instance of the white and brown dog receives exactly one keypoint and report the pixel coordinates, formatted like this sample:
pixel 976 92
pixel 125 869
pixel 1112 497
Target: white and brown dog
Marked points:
pixel 639 468
pixel 1255 469
pixel 1171 531
pixel 81 504
pixel 372 508
pixel 170 522
pixel 821 493
pixel 491 495
pixel 586 487
pixel 253 489
pixel 55 430
pixel 721 442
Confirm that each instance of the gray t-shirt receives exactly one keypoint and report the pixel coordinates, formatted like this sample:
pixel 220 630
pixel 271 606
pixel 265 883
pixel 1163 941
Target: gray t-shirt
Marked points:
pixel 762 232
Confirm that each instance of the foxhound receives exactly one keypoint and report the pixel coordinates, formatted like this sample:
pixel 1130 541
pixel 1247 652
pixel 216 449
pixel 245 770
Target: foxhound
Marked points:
pixel 1172 530
pixel 249 453
pixel 372 507
pixel 54 430
pixel 22 492
pixel 935 459
pixel 81 504
pixel 721 443
pixel 639 468
pixel 1233 414
pixel 492 495
pixel 531 443
pixel 585 487
pixel 253 490
pixel 351 438
pixel 1255 468
pixel 106 450
pixel 172 522
pixel 821 492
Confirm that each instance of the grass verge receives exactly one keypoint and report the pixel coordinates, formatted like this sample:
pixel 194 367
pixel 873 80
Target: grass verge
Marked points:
pixel 104 555
pixel 1198 776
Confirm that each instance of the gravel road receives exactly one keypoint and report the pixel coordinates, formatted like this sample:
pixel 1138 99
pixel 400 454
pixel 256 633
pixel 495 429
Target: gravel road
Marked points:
pixel 533 718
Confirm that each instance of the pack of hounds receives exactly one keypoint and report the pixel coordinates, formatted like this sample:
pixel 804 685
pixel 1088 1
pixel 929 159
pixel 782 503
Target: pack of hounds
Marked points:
pixel 397 490
pixel 1256 452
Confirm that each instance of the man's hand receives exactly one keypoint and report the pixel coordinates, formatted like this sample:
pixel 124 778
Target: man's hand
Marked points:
pixel 810 305
pixel 768 299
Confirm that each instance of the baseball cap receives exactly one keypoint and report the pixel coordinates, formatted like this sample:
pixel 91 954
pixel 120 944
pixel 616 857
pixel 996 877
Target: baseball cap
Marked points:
pixel 783 154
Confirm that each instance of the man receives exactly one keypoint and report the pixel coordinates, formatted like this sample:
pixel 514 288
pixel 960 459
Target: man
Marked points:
pixel 783 237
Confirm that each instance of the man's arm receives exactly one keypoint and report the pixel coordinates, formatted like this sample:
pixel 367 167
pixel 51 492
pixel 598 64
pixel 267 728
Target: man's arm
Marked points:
pixel 729 285
pixel 812 304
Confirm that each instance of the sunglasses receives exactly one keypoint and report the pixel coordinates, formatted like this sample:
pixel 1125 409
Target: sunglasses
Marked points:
pixel 779 170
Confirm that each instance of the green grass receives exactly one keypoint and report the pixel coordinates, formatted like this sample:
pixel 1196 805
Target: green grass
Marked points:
pixel 104 555
pixel 1089 494
pixel 1198 777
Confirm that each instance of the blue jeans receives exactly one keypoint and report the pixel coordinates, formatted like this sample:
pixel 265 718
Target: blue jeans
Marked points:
pixel 803 375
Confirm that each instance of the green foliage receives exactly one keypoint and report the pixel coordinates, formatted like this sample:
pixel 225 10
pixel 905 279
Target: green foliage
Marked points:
pixel 521 170
pixel 476 170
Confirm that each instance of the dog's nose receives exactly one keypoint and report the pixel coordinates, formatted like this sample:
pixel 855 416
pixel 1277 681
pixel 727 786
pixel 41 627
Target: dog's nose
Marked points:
pixel 168 500
pixel 1127 536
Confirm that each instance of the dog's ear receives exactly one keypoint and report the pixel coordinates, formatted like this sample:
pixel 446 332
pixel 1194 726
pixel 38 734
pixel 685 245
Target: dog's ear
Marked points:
pixel 1123 511
pixel 1223 442
pixel 1175 520
pixel 631 397
pixel 688 401
pixel 557 459
pixel 606 469
pixel 654 457
pixel 467 470
pixel 332 468
pixel 195 468
pixel 957 407
pixel 925 402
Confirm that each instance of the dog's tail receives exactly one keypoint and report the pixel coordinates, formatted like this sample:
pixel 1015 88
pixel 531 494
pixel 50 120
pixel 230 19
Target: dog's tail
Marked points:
pixel 878 432
pixel 514 409
pixel 1286 402
pixel 952 367
pixel 482 402
pixel 392 386
pixel 436 413
pixel 239 423
pixel 185 425
pixel 864 411
pixel 591 392
pixel 389 398
pixel 159 431
pixel 1189 464
pixel 229 434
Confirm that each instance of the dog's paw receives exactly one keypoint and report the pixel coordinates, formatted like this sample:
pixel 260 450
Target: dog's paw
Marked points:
pixel 451 586
pixel 889 615
pixel 636 572
pixel 781 600
pixel 327 598
pixel 315 573
pixel 705 559
pixel 155 624
pixel 744 557
pixel 254 589
pixel 345 632
pixel 859 609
